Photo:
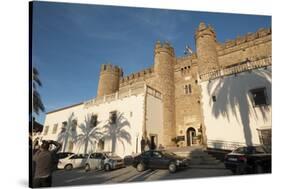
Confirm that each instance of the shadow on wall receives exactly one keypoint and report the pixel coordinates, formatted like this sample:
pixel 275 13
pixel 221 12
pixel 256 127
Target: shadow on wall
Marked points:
pixel 68 132
pixel 90 133
pixel 115 130
pixel 233 97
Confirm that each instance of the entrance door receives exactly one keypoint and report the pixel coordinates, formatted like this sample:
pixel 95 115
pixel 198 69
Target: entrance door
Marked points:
pixel 153 142
pixel 190 134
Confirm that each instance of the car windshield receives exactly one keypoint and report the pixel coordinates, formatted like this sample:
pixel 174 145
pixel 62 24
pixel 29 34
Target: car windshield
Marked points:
pixel 111 155
pixel 250 150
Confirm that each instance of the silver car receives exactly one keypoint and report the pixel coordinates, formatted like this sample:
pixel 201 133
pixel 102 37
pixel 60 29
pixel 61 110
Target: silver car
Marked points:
pixel 103 160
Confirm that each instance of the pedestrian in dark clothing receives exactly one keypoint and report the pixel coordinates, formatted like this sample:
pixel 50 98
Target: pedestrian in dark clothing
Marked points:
pixel 44 160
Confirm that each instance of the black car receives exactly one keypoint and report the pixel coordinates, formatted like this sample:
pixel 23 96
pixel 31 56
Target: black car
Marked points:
pixel 249 159
pixel 159 159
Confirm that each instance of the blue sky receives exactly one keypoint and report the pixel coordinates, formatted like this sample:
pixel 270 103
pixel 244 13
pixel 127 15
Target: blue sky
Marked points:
pixel 71 41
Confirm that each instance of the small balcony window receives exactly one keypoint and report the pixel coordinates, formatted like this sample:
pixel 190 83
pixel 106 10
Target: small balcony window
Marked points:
pixel 113 117
pixel 46 130
pixel 259 97
pixel 94 121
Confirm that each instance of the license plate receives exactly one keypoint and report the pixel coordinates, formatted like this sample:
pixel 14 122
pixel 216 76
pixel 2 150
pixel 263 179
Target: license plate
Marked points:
pixel 232 159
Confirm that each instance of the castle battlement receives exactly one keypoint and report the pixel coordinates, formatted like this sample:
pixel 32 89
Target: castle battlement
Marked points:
pixel 110 68
pixel 136 76
pixel 124 93
pixel 164 47
pixel 190 57
pixel 244 40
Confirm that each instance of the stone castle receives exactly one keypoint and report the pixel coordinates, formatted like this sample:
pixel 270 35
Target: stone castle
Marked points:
pixel 178 78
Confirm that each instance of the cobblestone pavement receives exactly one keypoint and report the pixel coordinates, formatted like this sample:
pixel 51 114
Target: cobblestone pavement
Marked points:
pixel 129 174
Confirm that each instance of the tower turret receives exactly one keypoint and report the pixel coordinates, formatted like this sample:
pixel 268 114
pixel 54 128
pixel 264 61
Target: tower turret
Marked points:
pixel 205 38
pixel 109 79
pixel 164 60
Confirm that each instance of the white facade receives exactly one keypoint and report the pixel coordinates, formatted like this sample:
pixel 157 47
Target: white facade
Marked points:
pixel 231 117
pixel 124 136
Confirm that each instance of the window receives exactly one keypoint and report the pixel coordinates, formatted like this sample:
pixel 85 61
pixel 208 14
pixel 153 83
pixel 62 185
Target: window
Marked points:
pixel 74 125
pixel 101 144
pixel 240 150
pixel 214 98
pixel 55 128
pixel 64 125
pixel 156 155
pixel 131 114
pixel 94 121
pixel 259 96
pixel 113 117
pixel 46 130
pixel 187 89
pixel 146 154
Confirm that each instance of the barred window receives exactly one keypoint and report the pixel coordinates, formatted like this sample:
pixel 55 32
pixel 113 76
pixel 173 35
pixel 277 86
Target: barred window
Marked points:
pixel 259 96
pixel 113 117
pixel 46 130
pixel 94 121
pixel 74 125
pixel 64 125
pixel 55 128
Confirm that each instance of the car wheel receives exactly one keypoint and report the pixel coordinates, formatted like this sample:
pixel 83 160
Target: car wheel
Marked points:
pixel 107 167
pixel 172 167
pixel 259 169
pixel 68 167
pixel 87 168
pixel 140 167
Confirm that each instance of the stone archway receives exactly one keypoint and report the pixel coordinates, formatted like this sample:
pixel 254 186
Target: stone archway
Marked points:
pixel 190 134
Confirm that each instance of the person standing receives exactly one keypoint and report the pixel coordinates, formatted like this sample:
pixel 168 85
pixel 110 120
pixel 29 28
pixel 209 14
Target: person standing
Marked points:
pixel 44 161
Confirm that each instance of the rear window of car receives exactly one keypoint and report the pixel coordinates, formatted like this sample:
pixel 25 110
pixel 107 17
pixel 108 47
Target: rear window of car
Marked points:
pixel 259 150
pixel 240 150
pixel 63 155
pixel 146 154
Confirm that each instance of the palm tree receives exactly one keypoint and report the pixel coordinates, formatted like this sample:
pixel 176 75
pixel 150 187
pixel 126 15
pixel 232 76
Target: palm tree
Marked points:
pixel 115 131
pixel 89 133
pixel 37 102
pixel 68 132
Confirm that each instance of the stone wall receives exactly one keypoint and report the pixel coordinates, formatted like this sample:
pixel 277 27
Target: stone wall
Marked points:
pixel 253 45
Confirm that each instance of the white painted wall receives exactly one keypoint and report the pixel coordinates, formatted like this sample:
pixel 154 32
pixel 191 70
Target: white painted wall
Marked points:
pixel 233 119
pixel 132 109
pixel 155 118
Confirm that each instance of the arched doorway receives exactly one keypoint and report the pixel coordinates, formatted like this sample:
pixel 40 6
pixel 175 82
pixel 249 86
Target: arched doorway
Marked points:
pixel 190 133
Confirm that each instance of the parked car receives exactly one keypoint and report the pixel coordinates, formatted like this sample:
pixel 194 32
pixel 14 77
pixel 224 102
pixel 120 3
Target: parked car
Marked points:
pixel 129 159
pixel 104 160
pixel 159 159
pixel 62 155
pixel 72 161
pixel 249 159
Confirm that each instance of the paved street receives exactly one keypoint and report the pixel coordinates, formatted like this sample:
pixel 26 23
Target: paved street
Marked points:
pixel 129 174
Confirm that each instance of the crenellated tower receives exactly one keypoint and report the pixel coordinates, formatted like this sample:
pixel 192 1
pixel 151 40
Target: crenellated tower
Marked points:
pixel 207 55
pixel 109 79
pixel 164 60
